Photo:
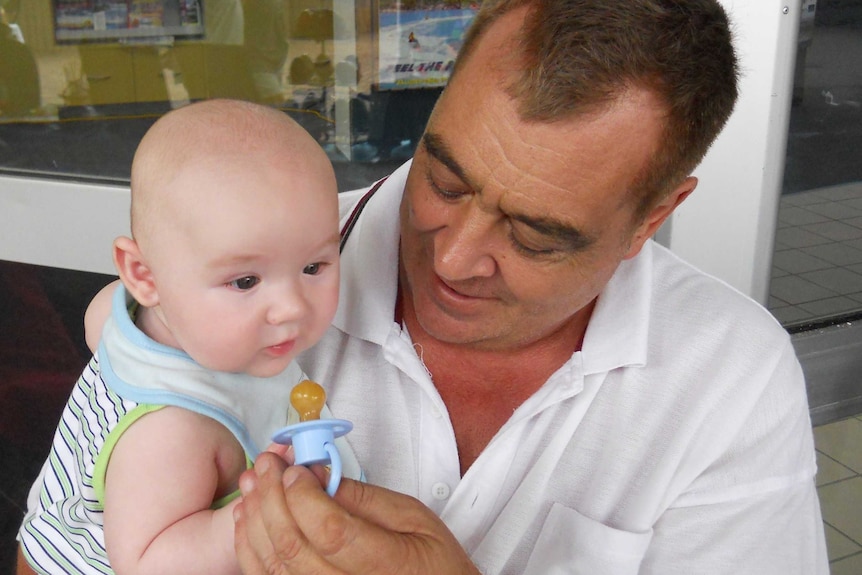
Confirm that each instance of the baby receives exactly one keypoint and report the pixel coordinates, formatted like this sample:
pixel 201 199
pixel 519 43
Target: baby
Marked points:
pixel 231 271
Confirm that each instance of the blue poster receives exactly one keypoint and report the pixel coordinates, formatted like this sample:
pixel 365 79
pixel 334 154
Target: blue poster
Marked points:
pixel 417 47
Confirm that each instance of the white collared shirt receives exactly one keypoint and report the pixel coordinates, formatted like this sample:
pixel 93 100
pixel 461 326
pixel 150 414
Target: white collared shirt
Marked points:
pixel 676 441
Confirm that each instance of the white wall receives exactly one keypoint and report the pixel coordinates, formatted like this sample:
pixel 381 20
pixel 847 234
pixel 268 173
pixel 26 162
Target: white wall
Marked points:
pixel 727 227
pixel 61 224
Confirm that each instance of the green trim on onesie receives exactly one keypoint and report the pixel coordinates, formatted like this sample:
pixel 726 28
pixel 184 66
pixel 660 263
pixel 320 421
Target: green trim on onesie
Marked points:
pixel 225 501
pixel 100 469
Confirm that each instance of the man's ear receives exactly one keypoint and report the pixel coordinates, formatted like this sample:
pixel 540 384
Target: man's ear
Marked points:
pixel 134 271
pixel 658 214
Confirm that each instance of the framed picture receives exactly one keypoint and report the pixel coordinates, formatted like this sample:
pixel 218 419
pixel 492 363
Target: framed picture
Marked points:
pixel 417 41
pixel 125 20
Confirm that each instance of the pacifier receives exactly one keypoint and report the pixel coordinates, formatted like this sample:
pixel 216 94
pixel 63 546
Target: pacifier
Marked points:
pixel 313 438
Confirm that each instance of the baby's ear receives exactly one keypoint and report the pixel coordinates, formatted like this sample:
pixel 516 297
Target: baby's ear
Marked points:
pixel 135 272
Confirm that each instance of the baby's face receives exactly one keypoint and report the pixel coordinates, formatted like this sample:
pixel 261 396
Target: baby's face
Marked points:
pixel 247 272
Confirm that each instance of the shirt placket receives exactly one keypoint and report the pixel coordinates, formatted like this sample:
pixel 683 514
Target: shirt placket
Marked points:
pixel 438 473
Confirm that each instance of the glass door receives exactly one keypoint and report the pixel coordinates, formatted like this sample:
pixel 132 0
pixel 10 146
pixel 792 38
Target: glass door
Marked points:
pixel 817 263
pixel 816 284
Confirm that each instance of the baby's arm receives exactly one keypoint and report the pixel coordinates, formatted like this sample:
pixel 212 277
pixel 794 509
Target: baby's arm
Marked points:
pixel 163 475
pixel 97 313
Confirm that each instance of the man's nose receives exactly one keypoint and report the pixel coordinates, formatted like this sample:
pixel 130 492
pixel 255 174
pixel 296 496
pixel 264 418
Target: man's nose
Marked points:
pixel 462 250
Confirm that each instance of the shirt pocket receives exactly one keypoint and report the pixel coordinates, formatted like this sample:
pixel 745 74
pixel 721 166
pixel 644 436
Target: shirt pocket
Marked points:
pixel 572 544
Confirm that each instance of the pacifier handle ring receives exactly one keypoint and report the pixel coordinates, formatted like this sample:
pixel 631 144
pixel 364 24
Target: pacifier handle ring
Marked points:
pixel 335 468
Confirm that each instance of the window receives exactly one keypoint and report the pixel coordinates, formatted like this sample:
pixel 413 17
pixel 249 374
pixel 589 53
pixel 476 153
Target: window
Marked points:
pixel 82 80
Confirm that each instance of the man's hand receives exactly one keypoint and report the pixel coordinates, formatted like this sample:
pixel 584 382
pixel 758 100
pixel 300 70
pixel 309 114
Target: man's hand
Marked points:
pixel 287 524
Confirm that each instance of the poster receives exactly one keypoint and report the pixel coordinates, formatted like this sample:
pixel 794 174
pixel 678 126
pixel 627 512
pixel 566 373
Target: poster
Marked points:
pixel 118 20
pixel 418 41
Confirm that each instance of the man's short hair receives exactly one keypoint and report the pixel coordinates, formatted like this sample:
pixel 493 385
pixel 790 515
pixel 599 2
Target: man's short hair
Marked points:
pixel 579 56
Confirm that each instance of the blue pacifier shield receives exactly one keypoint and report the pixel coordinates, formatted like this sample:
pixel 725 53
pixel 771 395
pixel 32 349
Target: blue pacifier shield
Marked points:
pixel 314 442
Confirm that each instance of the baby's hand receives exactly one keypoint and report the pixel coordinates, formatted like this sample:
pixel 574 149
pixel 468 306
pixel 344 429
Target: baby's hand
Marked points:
pixel 283 451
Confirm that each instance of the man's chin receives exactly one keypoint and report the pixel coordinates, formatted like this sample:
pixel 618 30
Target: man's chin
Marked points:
pixel 460 331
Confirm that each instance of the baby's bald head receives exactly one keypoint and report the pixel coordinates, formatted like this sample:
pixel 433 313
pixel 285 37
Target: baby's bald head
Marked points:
pixel 207 135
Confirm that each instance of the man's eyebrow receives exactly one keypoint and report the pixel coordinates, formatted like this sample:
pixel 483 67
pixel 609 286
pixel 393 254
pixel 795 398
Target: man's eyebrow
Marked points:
pixel 570 238
pixel 437 149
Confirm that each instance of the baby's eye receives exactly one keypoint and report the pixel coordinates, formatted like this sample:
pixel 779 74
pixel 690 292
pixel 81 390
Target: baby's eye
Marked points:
pixel 244 283
pixel 312 269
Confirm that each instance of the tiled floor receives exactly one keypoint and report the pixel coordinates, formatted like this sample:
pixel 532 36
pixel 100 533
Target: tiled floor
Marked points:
pixel 817 263
pixel 839 484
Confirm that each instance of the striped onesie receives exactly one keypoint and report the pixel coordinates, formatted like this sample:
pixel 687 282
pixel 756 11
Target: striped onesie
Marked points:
pixel 62 531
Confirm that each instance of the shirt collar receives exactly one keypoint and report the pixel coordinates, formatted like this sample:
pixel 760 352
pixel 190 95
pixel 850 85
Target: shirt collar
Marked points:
pixel 369 263
pixel 617 333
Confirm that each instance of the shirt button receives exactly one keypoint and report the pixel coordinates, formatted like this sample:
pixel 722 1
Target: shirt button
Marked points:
pixel 435 413
pixel 440 491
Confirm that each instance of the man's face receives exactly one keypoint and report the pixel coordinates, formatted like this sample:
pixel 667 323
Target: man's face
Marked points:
pixel 510 229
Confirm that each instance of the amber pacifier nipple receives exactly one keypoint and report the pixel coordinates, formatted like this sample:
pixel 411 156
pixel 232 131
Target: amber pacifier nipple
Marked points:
pixel 307 398
pixel 313 439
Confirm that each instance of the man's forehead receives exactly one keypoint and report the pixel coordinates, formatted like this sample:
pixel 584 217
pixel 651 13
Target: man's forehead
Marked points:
pixel 549 175
pixel 517 199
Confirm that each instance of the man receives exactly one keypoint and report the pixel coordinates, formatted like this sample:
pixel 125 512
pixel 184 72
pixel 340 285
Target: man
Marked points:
pixel 565 395
pixel 560 394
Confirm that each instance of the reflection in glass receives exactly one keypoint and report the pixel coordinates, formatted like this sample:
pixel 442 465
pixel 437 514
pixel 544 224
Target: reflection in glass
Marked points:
pixel 817 264
pixel 82 80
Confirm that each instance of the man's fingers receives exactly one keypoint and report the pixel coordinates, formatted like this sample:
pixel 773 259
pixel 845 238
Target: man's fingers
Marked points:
pixel 266 526
pixel 340 539
pixel 244 542
pixel 388 509
pixel 254 546
pixel 287 524
pixel 365 528
pixel 369 529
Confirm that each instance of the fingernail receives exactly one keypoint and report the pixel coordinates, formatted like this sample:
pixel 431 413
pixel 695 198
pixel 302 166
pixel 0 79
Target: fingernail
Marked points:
pixel 237 513
pixel 288 477
pixel 247 483
pixel 262 465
